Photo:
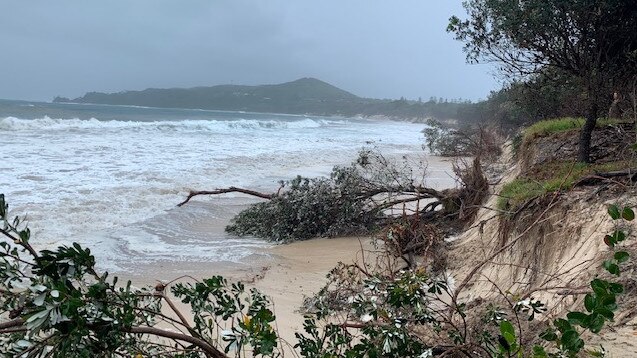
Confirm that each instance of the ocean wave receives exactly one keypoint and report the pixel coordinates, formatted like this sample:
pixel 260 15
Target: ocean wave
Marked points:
pixel 19 124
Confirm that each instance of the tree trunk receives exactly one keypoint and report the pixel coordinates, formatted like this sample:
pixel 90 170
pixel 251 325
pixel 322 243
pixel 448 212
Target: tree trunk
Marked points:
pixel 584 153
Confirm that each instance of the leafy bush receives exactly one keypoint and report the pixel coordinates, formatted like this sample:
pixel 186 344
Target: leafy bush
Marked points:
pixel 341 204
pixel 445 141
pixel 55 304
pixel 309 208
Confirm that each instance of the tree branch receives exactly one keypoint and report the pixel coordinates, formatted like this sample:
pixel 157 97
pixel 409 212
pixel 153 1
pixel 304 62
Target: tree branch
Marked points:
pixel 231 189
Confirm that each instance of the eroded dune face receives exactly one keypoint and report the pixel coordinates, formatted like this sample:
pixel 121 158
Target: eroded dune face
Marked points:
pixel 549 250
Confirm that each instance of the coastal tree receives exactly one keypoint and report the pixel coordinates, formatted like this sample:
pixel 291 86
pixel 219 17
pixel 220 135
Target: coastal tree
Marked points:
pixel 358 198
pixel 592 41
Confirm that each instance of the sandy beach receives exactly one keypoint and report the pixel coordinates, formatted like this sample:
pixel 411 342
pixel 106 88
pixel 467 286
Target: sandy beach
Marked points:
pixel 290 273
pixel 287 273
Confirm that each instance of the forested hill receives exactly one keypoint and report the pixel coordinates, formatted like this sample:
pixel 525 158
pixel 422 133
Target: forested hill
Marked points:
pixel 303 96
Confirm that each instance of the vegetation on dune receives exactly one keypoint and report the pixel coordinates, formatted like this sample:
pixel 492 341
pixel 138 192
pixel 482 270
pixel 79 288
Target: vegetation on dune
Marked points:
pixel 551 126
pixel 55 304
pixel 558 173
pixel 591 42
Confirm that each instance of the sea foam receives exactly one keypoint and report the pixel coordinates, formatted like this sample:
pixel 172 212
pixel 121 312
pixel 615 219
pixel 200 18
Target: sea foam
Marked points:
pixel 112 185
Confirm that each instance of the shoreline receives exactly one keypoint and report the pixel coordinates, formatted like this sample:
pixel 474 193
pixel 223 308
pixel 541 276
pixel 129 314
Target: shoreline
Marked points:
pixel 286 273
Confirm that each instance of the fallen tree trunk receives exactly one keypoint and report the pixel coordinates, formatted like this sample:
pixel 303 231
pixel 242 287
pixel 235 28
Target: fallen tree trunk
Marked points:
pixel 354 200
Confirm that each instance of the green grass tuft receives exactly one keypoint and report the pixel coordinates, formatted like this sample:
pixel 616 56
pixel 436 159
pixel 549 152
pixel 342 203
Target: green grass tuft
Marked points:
pixel 551 126
pixel 550 178
pixel 517 192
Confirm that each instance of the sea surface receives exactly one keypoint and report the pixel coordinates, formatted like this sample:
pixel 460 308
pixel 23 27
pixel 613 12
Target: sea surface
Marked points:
pixel 109 177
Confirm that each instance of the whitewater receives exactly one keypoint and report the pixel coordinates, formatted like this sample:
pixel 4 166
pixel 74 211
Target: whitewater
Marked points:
pixel 109 177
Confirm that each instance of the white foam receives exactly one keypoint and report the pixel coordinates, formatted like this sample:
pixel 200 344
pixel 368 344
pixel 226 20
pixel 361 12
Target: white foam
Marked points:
pixel 113 185
pixel 18 124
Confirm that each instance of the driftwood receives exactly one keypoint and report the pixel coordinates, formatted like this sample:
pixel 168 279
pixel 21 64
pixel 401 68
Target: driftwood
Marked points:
pixel 231 189
pixel 416 192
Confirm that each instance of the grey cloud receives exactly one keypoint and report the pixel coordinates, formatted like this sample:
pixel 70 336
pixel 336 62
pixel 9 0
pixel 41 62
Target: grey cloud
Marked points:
pixel 381 49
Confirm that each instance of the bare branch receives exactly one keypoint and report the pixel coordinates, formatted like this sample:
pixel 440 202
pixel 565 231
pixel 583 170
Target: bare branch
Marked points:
pixel 231 189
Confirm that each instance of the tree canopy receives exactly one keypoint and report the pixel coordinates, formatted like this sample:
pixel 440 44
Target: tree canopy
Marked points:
pixel 592 41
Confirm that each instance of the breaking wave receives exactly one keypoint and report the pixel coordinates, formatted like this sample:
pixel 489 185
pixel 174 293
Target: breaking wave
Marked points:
pixel 212 125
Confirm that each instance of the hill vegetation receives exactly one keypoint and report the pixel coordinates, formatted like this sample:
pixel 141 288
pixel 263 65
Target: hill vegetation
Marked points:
pixel 303 96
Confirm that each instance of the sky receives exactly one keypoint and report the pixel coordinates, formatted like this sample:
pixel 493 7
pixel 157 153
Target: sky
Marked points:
pixel 372 48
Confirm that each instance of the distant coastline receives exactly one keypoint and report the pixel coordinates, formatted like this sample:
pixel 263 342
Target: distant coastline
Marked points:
pixel 305 96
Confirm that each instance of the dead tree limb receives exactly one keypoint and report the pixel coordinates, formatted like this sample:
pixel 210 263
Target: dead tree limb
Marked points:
pixel 631 174
pixel 231 189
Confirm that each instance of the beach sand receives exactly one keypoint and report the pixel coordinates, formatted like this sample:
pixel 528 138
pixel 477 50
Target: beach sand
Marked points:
pixel 286 273
pixel 290 273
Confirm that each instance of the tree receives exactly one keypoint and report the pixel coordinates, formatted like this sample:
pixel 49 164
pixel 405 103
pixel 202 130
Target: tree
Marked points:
pixel 592 41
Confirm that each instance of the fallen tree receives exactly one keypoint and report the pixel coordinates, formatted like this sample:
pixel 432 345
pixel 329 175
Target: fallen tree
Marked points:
pixel 356 199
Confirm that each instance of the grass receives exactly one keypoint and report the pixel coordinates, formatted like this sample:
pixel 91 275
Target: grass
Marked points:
pixel 554 176
pixel 550 178
pixel 551 126
pixel 517 192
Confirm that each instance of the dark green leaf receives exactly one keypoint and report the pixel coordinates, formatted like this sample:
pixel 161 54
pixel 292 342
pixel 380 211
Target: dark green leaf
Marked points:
pixel 619 236
pixel 590 302
pixel 628 214
pixel 539 352
pixel 616 288
pixel 599 286
pixel 608 314
pixel 563 325
pixel 621 256
pixel 549 335
pixel 577 318
pixel 612 268
pixel 613 211
pixel 596 322
pixel 609 302
pixel 571 341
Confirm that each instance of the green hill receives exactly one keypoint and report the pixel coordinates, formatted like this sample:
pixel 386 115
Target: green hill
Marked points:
pixel 303 96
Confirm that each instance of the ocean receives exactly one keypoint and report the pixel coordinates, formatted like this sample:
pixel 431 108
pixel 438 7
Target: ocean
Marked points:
pixel 109 177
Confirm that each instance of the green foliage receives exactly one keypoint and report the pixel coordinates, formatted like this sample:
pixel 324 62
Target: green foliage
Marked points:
pixel 527 36
pixel 517 192
pixel 216 303
pixel 445 141
pixel 592 42
pixel 57 305
pixel 550 178
pixel 388 314
pixel 309 208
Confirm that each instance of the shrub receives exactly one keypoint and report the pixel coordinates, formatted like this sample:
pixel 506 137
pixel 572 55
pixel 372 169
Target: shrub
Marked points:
pixel 344 203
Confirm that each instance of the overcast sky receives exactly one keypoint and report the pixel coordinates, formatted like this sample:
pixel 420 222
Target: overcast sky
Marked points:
pixel 381 49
